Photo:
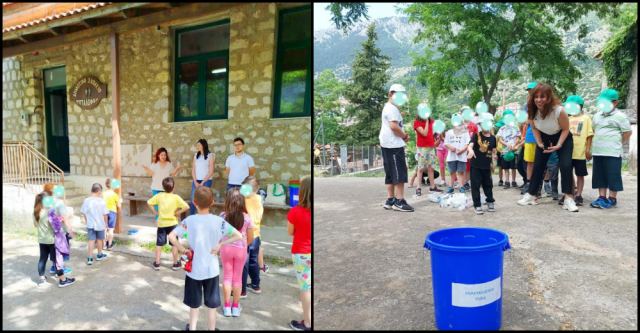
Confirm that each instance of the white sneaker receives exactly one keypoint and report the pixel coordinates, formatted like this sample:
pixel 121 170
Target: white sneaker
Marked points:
pixel 226 311
pixel 236 311
pixel 570 205
pixel 527 199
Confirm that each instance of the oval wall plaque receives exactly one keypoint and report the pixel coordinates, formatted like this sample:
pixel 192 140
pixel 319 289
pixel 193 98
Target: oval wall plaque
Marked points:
pixel 88 92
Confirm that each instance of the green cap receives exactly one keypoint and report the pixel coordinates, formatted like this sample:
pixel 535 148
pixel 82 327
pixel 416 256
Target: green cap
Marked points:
pixel 532 85
pixel 610 94
pixel 508 111
pixel 575 99
pixel 499 124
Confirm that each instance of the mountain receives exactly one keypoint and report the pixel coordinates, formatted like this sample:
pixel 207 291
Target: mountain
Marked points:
pixel 335 51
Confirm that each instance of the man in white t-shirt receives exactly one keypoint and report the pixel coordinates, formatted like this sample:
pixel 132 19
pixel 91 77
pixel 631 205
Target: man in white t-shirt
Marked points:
pixel 392 141
pixel 239 165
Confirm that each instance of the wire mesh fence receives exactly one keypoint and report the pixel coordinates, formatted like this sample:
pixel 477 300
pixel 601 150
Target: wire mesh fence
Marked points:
pixel 337 159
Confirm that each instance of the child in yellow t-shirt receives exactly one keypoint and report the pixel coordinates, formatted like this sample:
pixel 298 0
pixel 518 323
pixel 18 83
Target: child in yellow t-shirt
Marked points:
pixel 582 134
pixel 255 209
pixel 170 206
pixel 113 202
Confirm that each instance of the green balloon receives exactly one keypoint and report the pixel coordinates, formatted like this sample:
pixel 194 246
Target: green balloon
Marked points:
pixel 572 108
pixel 115 184
pixel 456 120
pixel 424 111
pixel 482 107
pixel 486 125
pixel 522 116
pixel 439 126
pixel 509 156
pixel 509 120
pixel 48 202
pixel 246 190
pixel 185 235
pixel 58 191
pixel 604 105
pixel 467 114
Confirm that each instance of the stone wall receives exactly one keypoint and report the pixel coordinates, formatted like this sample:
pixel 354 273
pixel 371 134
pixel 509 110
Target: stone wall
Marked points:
pixel 280 147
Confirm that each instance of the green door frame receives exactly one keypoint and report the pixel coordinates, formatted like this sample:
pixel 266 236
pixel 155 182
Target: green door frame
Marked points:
pixel 58 146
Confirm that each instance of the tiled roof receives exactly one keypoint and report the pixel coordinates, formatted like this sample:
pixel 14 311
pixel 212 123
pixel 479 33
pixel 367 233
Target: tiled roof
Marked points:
pixel 54 16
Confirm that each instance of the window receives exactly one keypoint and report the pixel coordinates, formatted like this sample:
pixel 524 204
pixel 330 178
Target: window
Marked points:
pixel 202 67
pixel 293 64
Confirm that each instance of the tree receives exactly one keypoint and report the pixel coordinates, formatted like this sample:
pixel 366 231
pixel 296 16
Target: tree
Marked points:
pixel 327 91
pixel 366 91
pixel 355 12
pixel 479 44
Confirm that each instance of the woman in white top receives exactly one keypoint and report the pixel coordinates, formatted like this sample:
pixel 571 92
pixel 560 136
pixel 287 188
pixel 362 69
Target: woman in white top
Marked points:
pixel 202 169
pixel 550 125
pixel 160 169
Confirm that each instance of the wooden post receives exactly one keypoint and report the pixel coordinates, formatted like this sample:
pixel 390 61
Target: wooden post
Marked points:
pixel 115 119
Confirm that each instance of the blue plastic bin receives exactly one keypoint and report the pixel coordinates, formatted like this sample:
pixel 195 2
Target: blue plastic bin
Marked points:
pixel 294 188
pixel 466 267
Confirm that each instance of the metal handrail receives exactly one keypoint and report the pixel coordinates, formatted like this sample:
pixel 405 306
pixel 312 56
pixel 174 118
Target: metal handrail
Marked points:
pixel 24 165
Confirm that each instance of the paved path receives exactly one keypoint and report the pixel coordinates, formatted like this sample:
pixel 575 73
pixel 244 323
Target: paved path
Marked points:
pixel 124 292
pixel 565 270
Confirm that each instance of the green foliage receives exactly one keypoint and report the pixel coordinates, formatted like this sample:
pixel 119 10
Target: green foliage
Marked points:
pixel 367 91
pixel 327 91
pixel 478 44
pixel 344 21
pixel 618 56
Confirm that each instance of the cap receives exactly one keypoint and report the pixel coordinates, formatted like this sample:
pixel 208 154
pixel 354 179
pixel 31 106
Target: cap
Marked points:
pixel 508 111
pixel 397 87
pixel 532 85
pixel 575 99
pixel 610 94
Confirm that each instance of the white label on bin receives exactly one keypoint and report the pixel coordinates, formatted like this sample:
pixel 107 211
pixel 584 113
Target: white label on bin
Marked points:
pixel 295 197
pixel 474 295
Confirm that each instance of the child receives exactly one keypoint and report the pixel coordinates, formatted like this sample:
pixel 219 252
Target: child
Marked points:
pixel 94 211
pixel 59 225
pixel 499 151
pixel 611 129
pixel 529 154
pixel 456 141
pixel 509 137
pixel 234 255
pixel 481 151
pixel 582 132
pixel 254 207
pixel 299 227
pixel 425 149
pixel 441 151
pixel 205 234
pixel 170 206
pixel 473 129
pixel 551 177
pixel 253 266
pixel 48 190
pixel 113 202
pixel 47 242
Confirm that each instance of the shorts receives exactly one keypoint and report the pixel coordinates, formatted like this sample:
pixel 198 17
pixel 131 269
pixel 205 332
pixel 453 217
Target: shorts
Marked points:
pixel 580 166
pixel 427 157
pixel 456 166
pixel 302 264
pixel 499 160
pixel 607 173
pixel 95 234
pixel 193 292
pixel 510 165
pixel 162 234
pixel 395 165
pixel 529 152
pixel 112 220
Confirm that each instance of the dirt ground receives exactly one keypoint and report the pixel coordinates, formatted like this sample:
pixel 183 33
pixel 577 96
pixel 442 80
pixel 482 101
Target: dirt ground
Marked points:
pixel 125 293
pixel 564 271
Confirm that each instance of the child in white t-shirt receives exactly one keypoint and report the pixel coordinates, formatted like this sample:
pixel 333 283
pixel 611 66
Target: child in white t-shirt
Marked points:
pixel 456 141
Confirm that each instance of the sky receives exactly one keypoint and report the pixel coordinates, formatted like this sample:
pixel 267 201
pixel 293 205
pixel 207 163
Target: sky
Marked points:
pixel 321 17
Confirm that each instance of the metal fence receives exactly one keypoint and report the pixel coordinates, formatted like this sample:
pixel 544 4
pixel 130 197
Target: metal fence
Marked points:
pixel 336 159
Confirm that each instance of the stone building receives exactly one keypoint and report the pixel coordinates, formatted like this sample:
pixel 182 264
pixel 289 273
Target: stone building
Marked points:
pixel 174 73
